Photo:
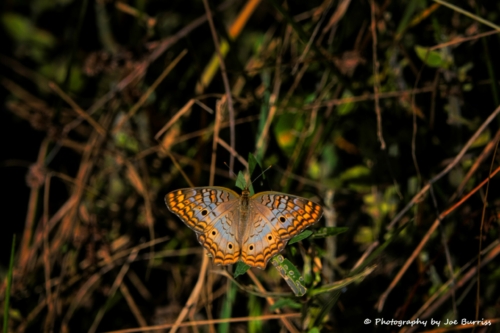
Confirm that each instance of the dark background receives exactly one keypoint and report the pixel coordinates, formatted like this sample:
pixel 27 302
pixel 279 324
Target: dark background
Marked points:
pixel 371 185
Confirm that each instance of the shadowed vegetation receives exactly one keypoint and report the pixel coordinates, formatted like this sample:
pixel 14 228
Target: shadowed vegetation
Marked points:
pixel 383 112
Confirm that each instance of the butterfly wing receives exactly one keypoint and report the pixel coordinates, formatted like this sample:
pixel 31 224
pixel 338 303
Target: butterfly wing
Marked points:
pixel 275 218
pixel 212 212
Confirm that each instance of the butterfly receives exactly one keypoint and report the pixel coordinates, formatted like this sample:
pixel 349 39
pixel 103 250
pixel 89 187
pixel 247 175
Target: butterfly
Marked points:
pixel 245 228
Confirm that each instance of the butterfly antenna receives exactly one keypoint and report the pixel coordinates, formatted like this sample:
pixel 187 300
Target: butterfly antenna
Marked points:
pixel 231 173
pixel 269 167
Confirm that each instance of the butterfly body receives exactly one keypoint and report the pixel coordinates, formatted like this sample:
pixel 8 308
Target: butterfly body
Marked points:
pixel 248 228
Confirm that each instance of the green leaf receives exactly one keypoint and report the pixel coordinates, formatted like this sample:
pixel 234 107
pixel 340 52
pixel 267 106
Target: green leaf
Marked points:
pixel 431 58
pixel 329 231
pixel 254 310
pixel 285 302
pixel 21 29
pixel 126 141
pixel 241 182
pixel 329 158
pixel 291 274
pixel 286 131
pixel 345 108
pixel 355 172
pixel 227 307
pixel 252 163
pixel 299 237
pixel 241 268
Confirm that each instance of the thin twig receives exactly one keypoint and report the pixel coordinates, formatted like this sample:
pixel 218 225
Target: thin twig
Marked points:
pixel 368 97
pixel 232 152
pixel 376 83
pixel 49 319
pixel 481 232
pixel 77 108
pixel 218 118
pixel 226 83
pixel 468 14
pixel 178 166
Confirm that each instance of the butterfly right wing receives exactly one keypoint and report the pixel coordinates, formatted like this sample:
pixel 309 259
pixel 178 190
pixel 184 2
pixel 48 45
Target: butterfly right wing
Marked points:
pixel 274 219
pixel 212 212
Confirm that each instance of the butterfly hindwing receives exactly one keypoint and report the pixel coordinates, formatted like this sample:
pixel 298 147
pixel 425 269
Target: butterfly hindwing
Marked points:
pixel 221 238
pixel 261 241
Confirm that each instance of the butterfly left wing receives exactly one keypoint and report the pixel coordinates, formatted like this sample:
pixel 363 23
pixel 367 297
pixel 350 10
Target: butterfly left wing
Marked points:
pixel 274 219
pixel 212 213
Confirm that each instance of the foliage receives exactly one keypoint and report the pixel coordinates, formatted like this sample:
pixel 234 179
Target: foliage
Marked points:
pixel 385 112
